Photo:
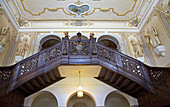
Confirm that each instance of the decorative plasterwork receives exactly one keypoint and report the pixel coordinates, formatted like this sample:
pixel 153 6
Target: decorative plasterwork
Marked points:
pixel 134 22
pixel 87 14
pixel 1 9
pixel 78 8
pixel 52 15
pixel 78 23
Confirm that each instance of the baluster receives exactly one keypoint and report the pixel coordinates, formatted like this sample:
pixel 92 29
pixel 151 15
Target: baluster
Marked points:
pixel 15 75
pixel 118 59
pixel 65 46
pixel 65 50
pixel 93 47
pixel 41 57
pixel 93 50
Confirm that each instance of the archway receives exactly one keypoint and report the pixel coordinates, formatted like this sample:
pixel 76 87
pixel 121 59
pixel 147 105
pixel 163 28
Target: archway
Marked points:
pixel 48 41
pixel 85 101
pixel 114 99
pixel 109 41
pixel 45 99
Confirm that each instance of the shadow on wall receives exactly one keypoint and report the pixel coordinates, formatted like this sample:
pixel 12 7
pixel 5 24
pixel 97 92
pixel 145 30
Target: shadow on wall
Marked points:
pixel 85 101
pixel 109 41
pixel 115 99
pixel 46 99
pixel 48 41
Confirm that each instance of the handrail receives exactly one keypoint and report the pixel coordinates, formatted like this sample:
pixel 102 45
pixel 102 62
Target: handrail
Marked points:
pixel 68 49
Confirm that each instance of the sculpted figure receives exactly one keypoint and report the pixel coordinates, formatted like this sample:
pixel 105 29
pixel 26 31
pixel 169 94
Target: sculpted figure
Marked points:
pixel 22 47
pixel 152 37
pixel 92 34
pixel 4 38
pixel 137 49
pixel 66 34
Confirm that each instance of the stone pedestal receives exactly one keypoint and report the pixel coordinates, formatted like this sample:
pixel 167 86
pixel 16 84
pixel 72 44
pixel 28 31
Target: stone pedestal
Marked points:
pixel 18 58
pixel 160 50
pixel 142 59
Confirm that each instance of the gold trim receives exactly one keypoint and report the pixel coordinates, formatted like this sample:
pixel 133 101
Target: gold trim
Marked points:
pixel 168 65
pixel 11 14
pixel 56 9
pixel 87 14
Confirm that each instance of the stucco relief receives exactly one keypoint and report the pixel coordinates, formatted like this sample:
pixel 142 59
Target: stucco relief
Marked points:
pixel 152 38
pixel 23 47
pixel 137 48
pixel 4 38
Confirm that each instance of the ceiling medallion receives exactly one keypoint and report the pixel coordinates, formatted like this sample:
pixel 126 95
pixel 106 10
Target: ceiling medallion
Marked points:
pixel 78 9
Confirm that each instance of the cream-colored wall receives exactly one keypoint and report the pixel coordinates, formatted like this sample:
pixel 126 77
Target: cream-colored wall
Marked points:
pixel 46 99
pixel 63 89
pixel 164 35
pixel 11 33
pixel 123 39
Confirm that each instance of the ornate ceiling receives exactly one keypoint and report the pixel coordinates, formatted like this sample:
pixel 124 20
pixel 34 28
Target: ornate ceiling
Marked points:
pixel 98 10
pixel 66 13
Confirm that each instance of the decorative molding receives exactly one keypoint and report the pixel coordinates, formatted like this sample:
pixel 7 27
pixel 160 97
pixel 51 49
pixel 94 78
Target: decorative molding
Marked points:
pixel 168 65
pixel 87 14
pixel 1 10
pixel 78 8
pixel 134 22
pixel 78 23
pixel 22 22
pixel 162 22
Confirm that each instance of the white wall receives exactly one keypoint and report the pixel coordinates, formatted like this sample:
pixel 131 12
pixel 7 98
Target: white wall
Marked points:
pixel 63 89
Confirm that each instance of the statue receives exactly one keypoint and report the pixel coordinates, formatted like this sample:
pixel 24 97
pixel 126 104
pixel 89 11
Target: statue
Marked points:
pixel 137 48
pixel 66 34
pixel 152 37
pixel 3 40
pixel 92 34
pixel 22 47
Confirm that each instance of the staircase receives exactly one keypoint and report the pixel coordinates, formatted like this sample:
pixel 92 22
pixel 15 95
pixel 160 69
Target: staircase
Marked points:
pixel 150 85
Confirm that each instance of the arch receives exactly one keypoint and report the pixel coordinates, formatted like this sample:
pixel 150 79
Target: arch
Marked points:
pixel 47 34
pixel 86 94
pixel 48 41
pixel 116 99
pixel 109 34
pixel 43 99
pixel 84 36
pixel 109 39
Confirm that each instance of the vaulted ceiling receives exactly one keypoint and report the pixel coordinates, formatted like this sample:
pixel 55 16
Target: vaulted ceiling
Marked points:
pixel 72 13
